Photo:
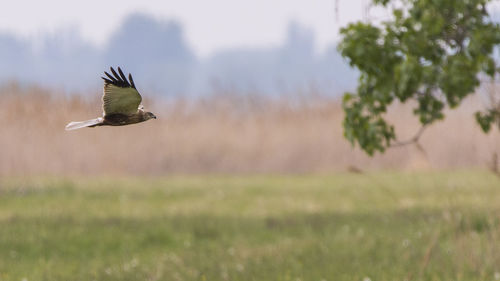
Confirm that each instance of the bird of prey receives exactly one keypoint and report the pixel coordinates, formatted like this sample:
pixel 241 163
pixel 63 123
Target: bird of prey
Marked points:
pixel 121 103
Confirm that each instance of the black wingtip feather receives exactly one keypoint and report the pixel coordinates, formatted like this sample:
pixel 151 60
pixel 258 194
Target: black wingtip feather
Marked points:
pixel 131 80
pixel 118 79
pixel 107 81
pixel 110 76
pixel 124 78
pixel 114 73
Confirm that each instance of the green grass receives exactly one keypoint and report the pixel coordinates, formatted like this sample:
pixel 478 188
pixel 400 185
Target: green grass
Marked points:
pixel 395 226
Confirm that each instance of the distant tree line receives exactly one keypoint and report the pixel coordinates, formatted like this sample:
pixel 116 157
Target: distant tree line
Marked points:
pixel 163 63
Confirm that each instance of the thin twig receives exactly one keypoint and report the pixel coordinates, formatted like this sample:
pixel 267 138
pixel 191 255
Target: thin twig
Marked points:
pixel 413 140
pixel 336 8
pixel 494 164
pixel 427 255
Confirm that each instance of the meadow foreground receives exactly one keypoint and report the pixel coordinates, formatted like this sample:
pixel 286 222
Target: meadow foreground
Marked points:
pixel 395 226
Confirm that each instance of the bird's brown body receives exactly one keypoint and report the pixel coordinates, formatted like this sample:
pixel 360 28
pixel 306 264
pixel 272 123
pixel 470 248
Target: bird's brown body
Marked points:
pixel 118 119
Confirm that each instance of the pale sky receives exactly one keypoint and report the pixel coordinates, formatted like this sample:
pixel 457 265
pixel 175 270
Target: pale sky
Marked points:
pixel 209 25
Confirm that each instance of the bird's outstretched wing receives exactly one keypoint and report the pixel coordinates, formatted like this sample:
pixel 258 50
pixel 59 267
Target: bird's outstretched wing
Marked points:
pixel 120 95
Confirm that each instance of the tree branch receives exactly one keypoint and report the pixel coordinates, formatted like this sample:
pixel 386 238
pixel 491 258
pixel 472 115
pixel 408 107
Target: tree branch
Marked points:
pixel 413 140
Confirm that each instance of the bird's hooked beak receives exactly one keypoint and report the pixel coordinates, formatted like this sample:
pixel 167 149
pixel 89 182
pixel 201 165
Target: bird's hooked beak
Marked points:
pixel 149 115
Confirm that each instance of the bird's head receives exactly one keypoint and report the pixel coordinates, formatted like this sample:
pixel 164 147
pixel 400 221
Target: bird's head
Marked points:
pixel 149 115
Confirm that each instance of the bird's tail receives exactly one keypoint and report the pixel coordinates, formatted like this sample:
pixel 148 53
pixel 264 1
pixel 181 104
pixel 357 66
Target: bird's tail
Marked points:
pixel 83 124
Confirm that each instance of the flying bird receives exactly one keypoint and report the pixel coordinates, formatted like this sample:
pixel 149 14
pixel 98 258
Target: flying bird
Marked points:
pixel 121 103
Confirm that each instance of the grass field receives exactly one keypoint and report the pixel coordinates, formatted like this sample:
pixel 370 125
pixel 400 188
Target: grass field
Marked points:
pixel 394 226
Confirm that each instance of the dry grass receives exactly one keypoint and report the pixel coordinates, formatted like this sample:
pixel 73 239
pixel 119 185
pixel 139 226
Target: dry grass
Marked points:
pixel 219 134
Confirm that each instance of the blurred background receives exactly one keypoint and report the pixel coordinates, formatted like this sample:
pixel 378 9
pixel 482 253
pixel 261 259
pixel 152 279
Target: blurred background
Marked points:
pixel 246 174
pixel 238 86
pixel 179 48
